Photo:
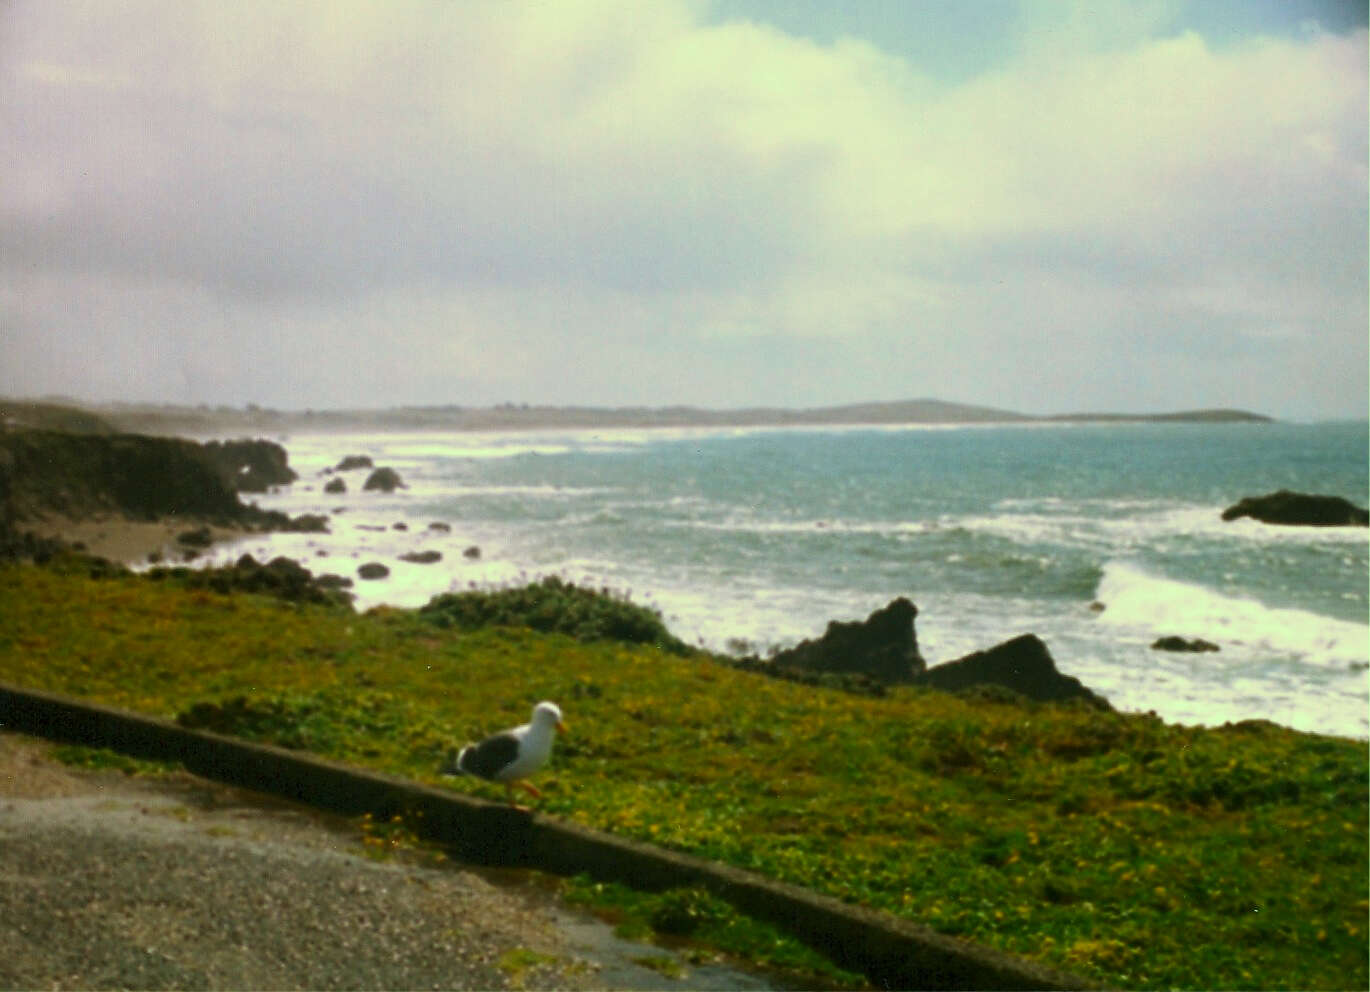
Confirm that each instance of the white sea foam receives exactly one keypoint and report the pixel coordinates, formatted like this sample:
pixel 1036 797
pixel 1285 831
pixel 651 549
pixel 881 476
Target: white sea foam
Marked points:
pixel 1124 525
pixel 1137 601
pixel 751 524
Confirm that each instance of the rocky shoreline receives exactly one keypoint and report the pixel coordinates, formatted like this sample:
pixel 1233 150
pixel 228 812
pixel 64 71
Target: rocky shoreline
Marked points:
pixel 163 486
pixel 136 500
pixel 132 498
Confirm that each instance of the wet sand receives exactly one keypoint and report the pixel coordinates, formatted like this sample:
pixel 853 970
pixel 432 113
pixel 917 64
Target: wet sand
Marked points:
pixel 131 542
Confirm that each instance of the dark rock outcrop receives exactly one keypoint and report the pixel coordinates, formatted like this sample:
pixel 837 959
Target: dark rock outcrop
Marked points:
pixel 142 478
pixel 46 473
pixel 473 552
pixel 281 577
pixel 353 461
pixel 251 466
pixel 200 537
pixel 335 486
pixel 1285 507
pixel 305 523
pixel 1176 643
pixel 1023 665
pixel 438 525
pixel 373 570
pixel 421 557
pixel 386 480
pixel 883 646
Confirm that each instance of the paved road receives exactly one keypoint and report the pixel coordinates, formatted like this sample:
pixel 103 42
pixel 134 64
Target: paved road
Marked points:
pixel 108 880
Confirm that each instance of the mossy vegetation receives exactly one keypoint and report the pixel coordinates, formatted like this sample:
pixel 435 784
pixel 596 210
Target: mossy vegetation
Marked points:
pixel 1136 853
pixel 555 606
pixel 103 759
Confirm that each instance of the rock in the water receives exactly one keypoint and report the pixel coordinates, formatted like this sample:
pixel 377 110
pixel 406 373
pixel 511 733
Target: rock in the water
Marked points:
pixel 1175 643
pixel 1285 507
pixel 472 552
pixel 306 523
pixel 1023 664
pixel 373 570
pixel 353 461
pixel 438 525
pixel 883 647
pixel 421 557
pixel 335 486
pixel 387 480
pixel 200 537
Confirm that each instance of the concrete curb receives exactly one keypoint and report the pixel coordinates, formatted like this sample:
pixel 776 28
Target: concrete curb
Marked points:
pixel 891 952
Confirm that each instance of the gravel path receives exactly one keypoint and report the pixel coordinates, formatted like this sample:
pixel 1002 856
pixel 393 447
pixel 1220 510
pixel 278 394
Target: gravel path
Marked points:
pixel 111 881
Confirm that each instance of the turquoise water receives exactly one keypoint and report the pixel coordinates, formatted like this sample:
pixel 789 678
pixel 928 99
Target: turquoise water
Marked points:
pixel 752 539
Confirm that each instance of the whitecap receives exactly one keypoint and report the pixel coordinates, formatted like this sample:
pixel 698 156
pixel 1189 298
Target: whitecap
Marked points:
pixel 1140 602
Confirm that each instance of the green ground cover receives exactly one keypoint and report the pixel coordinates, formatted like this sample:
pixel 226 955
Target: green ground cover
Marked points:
pixel 1136 853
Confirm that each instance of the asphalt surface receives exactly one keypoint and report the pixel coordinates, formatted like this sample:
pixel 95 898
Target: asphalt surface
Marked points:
pixel 116 881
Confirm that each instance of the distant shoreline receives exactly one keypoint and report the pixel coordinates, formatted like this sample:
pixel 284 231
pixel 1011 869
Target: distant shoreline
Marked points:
pixel 169 419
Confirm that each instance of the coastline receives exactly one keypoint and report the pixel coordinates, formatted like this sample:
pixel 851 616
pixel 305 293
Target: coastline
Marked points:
pixel 133 543
pixel 201 421
pixel 470 516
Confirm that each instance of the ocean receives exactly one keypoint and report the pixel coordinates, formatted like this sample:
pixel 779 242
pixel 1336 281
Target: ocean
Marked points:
pixel 752 539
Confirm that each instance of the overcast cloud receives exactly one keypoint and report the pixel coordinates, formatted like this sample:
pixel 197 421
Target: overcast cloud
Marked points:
pixel 612 203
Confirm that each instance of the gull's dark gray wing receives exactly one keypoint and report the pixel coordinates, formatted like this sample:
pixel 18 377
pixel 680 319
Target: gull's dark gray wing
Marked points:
pixel 486 759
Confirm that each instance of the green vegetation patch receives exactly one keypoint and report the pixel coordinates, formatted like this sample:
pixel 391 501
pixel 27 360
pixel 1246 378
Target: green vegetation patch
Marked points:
pixel 519 962
pixel 554 606
pixel 103 759
pixel 1136 853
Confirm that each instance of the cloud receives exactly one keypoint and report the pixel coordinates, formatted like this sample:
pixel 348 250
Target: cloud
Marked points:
pixel 472 202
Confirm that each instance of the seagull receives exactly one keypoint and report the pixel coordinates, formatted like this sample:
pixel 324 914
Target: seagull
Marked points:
pixel 511 755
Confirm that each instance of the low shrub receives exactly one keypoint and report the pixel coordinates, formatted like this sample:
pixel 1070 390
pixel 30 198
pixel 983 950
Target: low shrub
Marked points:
pixel 554 606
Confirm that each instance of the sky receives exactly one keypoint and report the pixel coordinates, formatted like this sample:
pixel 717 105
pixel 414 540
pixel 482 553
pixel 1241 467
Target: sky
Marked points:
pixel 1046 207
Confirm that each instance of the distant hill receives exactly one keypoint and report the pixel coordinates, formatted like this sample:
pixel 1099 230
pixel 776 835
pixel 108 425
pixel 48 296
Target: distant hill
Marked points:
pixel 921 411
pixel 253 420
pixel 1193 416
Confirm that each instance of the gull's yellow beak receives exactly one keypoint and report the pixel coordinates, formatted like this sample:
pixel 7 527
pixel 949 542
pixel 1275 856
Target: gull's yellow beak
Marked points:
pixel 563 728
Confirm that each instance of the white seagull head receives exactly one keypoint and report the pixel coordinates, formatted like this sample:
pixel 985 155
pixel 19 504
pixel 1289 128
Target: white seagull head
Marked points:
pixel 547 714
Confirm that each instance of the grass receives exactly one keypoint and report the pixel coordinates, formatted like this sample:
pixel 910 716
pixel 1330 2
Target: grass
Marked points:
pixel 103 759
pixel 555 606
pixel 517 962
pixel 1137 853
